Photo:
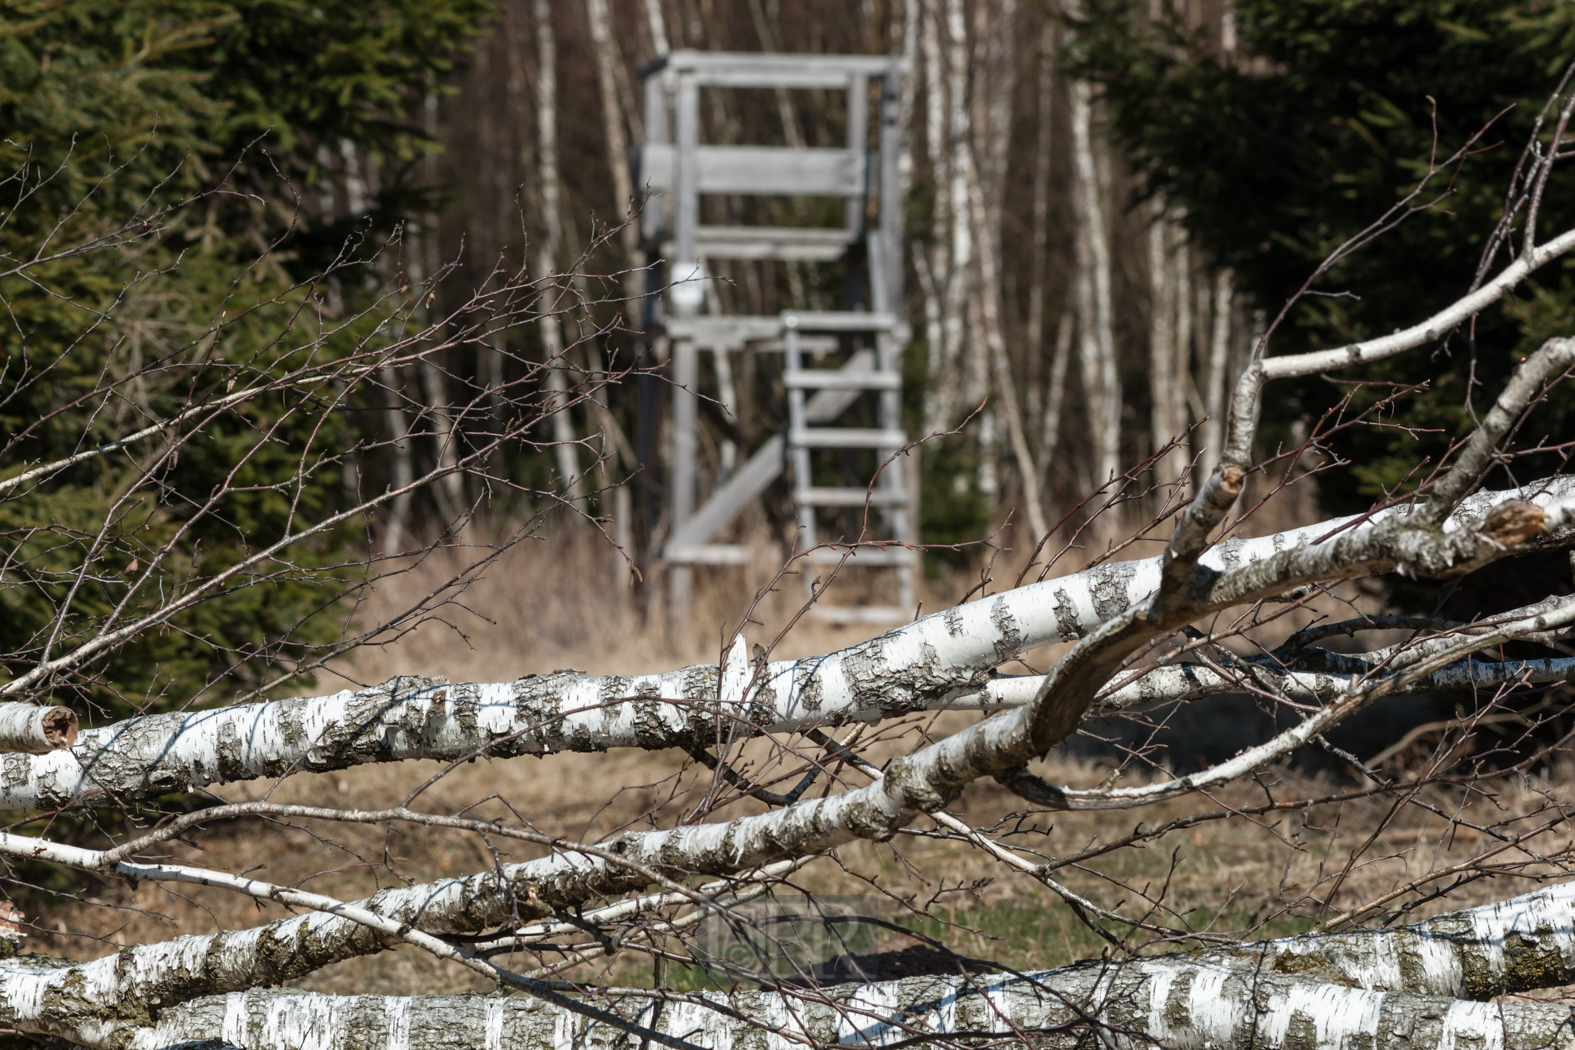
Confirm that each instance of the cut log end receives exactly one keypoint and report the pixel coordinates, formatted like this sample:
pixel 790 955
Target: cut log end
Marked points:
pixel 32 730
pixel 59 725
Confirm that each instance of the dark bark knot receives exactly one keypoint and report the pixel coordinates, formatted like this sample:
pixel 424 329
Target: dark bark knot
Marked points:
pixel 914 791
pixel 1515 522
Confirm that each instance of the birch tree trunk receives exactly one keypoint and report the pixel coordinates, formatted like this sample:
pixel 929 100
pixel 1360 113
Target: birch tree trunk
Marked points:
pixel 658 26
pixel 943 660
pixel 1097 350
pixel 1055 396
pixel 565 449
pixel 970 363
pixel 1170 333
pixel 394 533
pixel 1162 329
pixel 986 174
pixel 452 490
pixel 932 1007
pixel 1181 368
pixel 1215 377
pixel 1044 131
pixel 933 271
pixel 608 62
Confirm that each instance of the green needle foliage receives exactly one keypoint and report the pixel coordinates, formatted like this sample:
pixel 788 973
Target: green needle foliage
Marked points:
pixel 1331 112
pixel 153 254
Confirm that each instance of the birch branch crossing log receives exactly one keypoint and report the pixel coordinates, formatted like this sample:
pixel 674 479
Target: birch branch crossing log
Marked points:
pixel 922 782
pixel 942 660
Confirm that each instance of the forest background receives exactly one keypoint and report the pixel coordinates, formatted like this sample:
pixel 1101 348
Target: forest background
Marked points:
pixel 1106 206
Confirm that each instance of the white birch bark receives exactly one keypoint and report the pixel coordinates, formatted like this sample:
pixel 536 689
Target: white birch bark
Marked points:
pixel 605 47
pixel 451 487
pixel 394 532
pixel 986 185
pixel 658 27
pixel 1417 986
pixel 1170 331
pixel 943 659
pixel 934 267
pixel 564 448
pixel 1282 1014
pixel 1045 104
pixel 911 17
pixel 1097 349
pixel 1215 378
pixel 969 368
pixel 1181 363
pixel 1055 397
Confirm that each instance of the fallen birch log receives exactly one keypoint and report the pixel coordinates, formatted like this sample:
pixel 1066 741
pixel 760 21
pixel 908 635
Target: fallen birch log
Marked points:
pixel 1137 1004
pixel 943 660
pixel 1520 944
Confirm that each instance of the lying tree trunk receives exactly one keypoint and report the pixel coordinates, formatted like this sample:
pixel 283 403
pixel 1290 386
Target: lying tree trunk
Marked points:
pixel 1228 1015
pixel 939 661
pixel 1422 985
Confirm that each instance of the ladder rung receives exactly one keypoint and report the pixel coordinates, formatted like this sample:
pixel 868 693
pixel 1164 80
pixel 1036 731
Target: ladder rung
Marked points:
pixel 830 497
pixel 772 242
pixel 877 557
pixel 827 379
pixel 846 437
pixel 840 321
pixel 860 613
pixel 707 553
pixel 725 329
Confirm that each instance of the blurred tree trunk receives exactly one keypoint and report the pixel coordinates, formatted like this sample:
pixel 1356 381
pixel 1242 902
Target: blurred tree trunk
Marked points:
pixel 995 67
pixel 1215 379
pixel 1101 381
pixel 608 62
pixel 395 533
pixel 564 448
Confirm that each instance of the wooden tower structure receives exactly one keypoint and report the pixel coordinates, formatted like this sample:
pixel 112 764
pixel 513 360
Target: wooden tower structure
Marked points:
pixel 841 369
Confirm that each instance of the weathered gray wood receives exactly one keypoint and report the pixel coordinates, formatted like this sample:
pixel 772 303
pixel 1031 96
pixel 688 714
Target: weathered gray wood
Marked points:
pixel 706 553
pixel 686 374
pixel 754 169
pixel 850 497
pixel 827 379
pixel 680 170
pixel 890 237
pixel 765 70
pixel 725 329
pixel 762 468
pixel 810 244
pixel 657 213
pixel 865 556
pixel 858 143
pixel 847 437
pixel 841 321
